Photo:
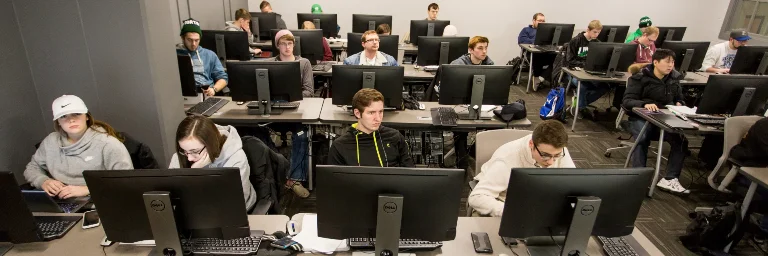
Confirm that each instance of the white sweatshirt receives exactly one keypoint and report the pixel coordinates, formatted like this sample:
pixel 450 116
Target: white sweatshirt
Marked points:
pixel 718 56
pixel 488 196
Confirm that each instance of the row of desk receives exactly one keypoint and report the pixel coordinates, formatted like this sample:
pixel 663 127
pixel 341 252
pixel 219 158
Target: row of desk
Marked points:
pixel 86 242
pixel 339 46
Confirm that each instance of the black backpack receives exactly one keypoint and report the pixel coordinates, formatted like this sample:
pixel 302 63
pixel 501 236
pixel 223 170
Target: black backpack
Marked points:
pixel 517 66
pixel 709 233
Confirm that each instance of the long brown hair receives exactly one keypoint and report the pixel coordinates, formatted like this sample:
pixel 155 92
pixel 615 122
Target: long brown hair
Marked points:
pixel 90 122
pixel 202 129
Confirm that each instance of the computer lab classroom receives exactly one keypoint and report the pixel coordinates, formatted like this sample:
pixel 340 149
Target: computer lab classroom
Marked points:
pixel 427 127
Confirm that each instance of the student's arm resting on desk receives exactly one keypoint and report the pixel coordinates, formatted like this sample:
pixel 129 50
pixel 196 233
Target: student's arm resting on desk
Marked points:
pixel 405 154
pixel 307 80
pixel 524 38
pixel 493 181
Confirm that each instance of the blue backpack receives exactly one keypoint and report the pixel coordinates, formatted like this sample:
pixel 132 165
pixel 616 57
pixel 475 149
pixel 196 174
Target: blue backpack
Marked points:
pixel 554 107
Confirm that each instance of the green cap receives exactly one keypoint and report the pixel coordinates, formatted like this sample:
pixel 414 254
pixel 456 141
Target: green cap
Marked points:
pixel 191 25
pixel 645 22
pixel 316 8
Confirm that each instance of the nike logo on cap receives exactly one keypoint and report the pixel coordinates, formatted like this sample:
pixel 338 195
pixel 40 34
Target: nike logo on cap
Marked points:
pixel 65 105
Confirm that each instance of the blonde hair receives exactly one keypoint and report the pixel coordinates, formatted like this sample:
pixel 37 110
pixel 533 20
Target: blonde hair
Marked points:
pixel 308 25
pixel 477 40
pixel 651 30
pixel 595 24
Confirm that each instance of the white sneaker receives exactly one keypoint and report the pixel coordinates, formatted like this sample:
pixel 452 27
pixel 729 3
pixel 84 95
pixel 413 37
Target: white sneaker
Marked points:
pixel 672 185
pixel 536 83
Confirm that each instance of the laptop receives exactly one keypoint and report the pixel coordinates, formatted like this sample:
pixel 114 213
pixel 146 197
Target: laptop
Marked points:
pixel 40 201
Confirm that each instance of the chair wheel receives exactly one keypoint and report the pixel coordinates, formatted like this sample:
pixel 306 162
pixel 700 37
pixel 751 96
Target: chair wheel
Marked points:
pixel 608 154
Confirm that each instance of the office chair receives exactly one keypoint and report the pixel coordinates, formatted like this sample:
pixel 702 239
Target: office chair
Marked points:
pixel 735 129
pixel 625 144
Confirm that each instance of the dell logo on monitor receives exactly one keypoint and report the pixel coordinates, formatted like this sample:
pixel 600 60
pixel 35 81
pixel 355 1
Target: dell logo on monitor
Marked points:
pixel 390 207
pixel 587 210
pixel 157 205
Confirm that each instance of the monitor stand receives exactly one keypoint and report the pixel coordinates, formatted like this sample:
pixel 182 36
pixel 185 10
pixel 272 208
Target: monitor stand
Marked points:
pixel 263 105
pixel 670 34
pixel 255 27
pixel 476 100
pixel 614 62
pixel 388 220
pixel 317 23
pixel 556 35
pixel 686 64
pixel 296 46
pixel 220 48
pixel 430 29
pixel 576 239
pixel 444 50
pixel 746 98
pixel 163 223
pixel 761 69
pixel 612 34
pixel 371 25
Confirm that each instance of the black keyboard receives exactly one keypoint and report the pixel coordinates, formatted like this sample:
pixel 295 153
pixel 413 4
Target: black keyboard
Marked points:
pixel 208 106
pixel 321 67
pixel 214 246
pixel 69 207
pixel 404 244
pixel 53 227
pixel 617 246
pixel 279 105
pixel 444 116
pixel 709 121
pixel 546 48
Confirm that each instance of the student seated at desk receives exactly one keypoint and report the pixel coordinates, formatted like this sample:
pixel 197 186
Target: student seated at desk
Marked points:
pixel 645 22
pixel 371 56
pixel 432 10
pixel 205 64
pixel 645 45
pixel 653 87
pixel 203 144
pixel 368 143
pixel 542 61
pixel 576 57
pixel 327 54
pixel 285 42
pixel 317 9
pixel 383 29
pixel 478 53
pixel 720 57
pixel 545 148
pixel 78 143
pixel 267 8
pixel 242 22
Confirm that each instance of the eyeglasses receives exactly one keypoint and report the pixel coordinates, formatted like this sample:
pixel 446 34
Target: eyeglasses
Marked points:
pixel 192 152
pixel 288 44
pixel 541 21
pixel 547 157
pixel 375 40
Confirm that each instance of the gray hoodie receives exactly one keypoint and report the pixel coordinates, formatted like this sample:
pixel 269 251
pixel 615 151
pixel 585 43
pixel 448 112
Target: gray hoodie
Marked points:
pixel 232 155
pixel 55 159
pixel 230 26
pixel 467 60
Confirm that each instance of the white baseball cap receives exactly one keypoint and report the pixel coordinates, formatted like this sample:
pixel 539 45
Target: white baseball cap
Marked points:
pixel 68 104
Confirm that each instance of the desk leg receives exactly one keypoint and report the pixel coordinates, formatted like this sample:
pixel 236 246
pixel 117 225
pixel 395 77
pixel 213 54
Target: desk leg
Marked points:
pixel 309 151
pixel 529 84
pixel 632 150
pixel 576 108
pixel 744 207
pixel 522 56
pixel 658 163
pixel 460 146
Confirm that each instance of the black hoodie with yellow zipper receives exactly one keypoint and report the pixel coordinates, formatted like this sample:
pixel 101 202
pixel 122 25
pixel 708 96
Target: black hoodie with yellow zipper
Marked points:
pixel 385 147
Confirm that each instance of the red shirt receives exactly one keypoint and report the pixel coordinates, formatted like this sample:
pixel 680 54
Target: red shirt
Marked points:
pixel 644 54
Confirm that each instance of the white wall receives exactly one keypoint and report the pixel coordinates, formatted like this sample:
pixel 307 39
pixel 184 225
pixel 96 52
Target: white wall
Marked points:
pixel 502 20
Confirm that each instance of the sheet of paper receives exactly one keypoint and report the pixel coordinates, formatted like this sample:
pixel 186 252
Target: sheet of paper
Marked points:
pixel 682 110
pixel 311 242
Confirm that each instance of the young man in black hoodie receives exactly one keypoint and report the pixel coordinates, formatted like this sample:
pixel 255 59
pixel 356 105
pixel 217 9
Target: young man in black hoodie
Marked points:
pixel 654 87
pixel 576 57
pixel 369 143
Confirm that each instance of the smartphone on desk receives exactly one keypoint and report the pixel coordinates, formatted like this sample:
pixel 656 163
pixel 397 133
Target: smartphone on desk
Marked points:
pixel 91 219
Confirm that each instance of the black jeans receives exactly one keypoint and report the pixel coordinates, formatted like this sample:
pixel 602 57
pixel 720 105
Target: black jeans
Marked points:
pixel 640 155
pixel 542 60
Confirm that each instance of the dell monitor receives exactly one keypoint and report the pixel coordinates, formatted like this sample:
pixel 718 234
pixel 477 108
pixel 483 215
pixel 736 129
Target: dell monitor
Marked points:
pixel 387 43
pixel 437 50
pixel 187 79
pixel 325 21
pixel 577 203
pixel 613 34
pixel 751 60
pixel 553 34
pixel 610 59
pixel 308 42
pixel 388 203
pixel 669 34
pixel 263 83
pixel 166 204
pixel 688 55
pixel 365 22
pixel 263 23
pixel 474 85
pixel 348 79
pixel 228 45
pixel 427 28
pixel 736 95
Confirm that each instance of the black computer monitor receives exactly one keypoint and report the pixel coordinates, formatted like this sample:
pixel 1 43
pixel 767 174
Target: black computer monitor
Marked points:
pixel 309 43
pixel 669 34
pixel 205 202
pixel 348 79
pixel 264 82
pixel 388 203
pixel 187 76
pixel 228 45
pixel 688 55
pixel 551 211
pixel 612 34
pixel 437 50
pixel 365 22
pixel 737 95
pixel 474 85
pixel 751 60
pixel 427 28
pixel 388 43
pixel 325 21
pixel 263 23
pixel 553 34
pixel 610 58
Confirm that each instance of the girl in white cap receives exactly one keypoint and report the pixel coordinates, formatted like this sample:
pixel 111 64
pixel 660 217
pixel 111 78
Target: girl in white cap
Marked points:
pixel 78 143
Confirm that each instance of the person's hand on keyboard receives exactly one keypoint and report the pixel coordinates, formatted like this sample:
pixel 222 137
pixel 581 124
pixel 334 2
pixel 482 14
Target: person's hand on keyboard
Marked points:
pixel 73 191
pixel 651 107
pixel 52 187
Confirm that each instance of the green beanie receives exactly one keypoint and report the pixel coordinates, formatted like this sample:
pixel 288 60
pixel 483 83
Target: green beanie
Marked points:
pixel 645 22
pixel 191 25
pixel 316 8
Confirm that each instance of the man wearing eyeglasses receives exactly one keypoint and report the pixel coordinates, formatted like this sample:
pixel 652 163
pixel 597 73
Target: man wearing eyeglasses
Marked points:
pixel 370 56
pixel 285 44
pixel 542 60
pixel 545 148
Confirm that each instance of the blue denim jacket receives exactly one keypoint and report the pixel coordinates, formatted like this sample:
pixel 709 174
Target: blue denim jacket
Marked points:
pixel 355 60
